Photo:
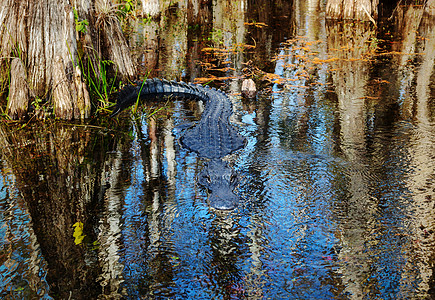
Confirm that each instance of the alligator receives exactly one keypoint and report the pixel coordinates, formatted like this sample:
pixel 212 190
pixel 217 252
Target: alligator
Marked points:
pixel 212 138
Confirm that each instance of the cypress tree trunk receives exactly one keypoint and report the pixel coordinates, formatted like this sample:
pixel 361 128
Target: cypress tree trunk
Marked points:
pixel 151 7
pixel 42 35
pixel 363 10
pixel 19 90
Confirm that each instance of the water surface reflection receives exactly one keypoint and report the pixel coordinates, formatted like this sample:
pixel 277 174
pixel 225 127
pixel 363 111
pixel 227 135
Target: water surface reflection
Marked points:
pixel 336 180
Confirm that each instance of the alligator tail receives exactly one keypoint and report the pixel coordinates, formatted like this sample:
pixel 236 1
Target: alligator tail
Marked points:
pixel 152 89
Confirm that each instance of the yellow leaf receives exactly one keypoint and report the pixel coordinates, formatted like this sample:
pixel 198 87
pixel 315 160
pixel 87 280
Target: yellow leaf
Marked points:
pixel 78 233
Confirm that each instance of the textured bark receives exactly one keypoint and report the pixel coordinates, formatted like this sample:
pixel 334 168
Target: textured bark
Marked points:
pixel 151 7
pixel 83 99
pixel 63 92
pixel 249 90
pixel 18 90
pixel 105 39
pixel 12 39
pixel 51 34
pixel 42 34
pixel 116 48
pixel 363 10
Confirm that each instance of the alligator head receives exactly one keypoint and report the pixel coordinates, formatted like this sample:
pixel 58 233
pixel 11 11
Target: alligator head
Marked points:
pixel 220 181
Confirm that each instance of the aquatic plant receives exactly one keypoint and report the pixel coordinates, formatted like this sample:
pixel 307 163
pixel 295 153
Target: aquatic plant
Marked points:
pixel 101 85
pixel 81 25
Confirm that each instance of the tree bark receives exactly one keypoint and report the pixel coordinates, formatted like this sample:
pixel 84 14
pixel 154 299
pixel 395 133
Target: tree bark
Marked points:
pixel 151 7
pixel 362 10
pixel 104 40
pixel 42 34
pixel 18 90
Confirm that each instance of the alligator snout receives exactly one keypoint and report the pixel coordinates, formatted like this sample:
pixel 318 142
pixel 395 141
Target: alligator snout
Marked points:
pixel 228 201
pixel 220 181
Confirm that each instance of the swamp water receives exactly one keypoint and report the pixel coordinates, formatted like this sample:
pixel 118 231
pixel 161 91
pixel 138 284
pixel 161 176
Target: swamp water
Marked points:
pixel 337 179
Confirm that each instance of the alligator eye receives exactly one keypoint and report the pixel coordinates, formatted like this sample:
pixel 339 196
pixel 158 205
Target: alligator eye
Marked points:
pixel 233 178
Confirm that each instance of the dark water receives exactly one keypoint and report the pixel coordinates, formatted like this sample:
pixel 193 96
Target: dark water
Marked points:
pixel 337 180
